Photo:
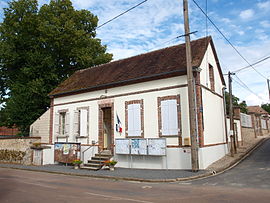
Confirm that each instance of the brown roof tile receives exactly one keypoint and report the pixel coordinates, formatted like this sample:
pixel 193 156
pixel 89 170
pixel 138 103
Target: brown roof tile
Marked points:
pixel 256 109
pixel 163 63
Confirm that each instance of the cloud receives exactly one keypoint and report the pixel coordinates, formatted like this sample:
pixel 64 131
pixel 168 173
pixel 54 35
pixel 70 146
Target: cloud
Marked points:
pixel 265 24
pixel 264 5
pixel 246 14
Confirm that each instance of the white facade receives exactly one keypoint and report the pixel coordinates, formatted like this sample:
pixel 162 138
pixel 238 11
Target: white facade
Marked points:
pixel 177 156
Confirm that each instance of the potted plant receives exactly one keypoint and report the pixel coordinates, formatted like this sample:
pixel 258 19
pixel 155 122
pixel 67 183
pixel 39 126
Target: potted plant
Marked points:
pixel 76 163
pixel 110 164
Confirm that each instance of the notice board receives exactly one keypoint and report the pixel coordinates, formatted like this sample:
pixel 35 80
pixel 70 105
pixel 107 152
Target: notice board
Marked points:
pixel 122 146
pixel 138 146
pixel 157 146
pixel 66 152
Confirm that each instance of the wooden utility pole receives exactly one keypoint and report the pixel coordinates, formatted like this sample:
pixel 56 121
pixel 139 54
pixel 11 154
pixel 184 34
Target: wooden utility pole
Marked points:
pixel 232 134
pixel 268 87
pixel 191 94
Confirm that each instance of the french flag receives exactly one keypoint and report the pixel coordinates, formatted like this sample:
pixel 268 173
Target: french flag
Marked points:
pixel 119 124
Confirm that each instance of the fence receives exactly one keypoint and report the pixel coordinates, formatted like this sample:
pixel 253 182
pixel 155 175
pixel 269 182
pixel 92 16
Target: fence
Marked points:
pixel 246 120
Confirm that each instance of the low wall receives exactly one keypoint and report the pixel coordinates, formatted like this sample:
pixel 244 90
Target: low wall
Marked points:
pixel 17 150
pixel 265 132
pixel 248 134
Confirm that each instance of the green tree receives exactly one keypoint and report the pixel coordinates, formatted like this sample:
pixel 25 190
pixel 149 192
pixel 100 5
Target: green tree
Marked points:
pixel 242 105
pixel 266 107
pixel 39 48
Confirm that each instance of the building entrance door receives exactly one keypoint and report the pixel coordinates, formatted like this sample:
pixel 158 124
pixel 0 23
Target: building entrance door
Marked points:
pixel 107 128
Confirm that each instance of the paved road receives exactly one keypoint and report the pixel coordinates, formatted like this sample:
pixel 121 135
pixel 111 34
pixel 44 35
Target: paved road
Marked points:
pixel 253 172
pixel 248 182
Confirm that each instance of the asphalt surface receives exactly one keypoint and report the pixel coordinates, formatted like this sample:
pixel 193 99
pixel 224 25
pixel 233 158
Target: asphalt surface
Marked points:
pixel 253 172
pixel 127 173
pixel 247 182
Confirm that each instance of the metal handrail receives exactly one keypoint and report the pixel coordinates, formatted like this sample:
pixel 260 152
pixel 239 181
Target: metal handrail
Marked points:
pixel 94 144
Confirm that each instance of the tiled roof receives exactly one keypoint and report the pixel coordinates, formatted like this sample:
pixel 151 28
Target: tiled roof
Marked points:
pixel 256 109
pixel 163 63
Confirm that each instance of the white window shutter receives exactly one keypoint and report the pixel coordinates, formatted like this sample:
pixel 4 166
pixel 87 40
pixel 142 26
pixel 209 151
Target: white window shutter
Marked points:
pixel 130 120
pixel 67 124
pixel 165 117
pixel 134 120
pixel 87 122
pixel 173 118
pixel 169 117
pixel 76 123
pixel 56 124
pixel 137 119
pixel 83 122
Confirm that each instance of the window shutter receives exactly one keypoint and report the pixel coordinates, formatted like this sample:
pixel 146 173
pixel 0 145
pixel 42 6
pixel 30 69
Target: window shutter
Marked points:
pixel 67 124
pixel 76 123
pixel 165 117
pixel 83 122
pixel 56 124
pixel 87 123
pixel 137 119
pixel 134 120
pixel 169 117
pixel 173 118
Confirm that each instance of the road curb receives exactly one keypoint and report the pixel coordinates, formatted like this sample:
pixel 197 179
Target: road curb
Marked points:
pixel 201 176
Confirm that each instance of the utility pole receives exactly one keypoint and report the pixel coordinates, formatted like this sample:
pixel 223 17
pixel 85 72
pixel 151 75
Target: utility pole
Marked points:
pixel 232 135
pixel 191 94
pixel 268 87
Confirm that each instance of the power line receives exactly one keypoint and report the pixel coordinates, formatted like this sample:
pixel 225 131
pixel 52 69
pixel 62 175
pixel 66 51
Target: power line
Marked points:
pixel 240 69
pixel 241 83
pixel 172 40
pixel 121 14
pixel 227 39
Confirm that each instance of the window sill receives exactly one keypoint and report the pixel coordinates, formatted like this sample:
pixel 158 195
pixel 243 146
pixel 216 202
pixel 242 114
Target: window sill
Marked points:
pixel 169 136
pixel 81 136
pixel 62 136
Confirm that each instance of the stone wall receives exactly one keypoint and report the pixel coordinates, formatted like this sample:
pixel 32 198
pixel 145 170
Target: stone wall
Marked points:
pixel 248 134
pixel 17 150
pixel 265 132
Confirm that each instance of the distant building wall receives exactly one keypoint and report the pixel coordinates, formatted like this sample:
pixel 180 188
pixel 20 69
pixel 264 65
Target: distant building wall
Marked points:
pixel 4 131
pixel 41 127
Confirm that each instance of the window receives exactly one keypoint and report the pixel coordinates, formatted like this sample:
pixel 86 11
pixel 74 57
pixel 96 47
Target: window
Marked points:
pixel 62 123
pixel 211 77
pixel 81 122
pixel 134 118
pixel 169 115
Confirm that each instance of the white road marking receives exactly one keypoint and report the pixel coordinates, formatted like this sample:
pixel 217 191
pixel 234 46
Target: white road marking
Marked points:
pixel 118 198
pixel 185 183
pixel 146 187
pixel 213 184
pixel 37 184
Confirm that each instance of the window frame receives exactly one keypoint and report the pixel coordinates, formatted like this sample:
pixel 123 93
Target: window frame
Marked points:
pixel 141 115
pixel 171 97
pixel 62 131
pixel 78 134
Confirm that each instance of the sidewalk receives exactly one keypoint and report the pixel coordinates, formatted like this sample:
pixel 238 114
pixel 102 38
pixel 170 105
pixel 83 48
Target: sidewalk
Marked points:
pixel 147 175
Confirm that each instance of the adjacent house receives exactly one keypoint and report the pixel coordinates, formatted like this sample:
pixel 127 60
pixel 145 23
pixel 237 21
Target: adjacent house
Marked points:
pixel 260 120
pixel 137 109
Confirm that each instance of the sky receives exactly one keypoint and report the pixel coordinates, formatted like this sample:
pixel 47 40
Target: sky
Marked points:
pixel 153 25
